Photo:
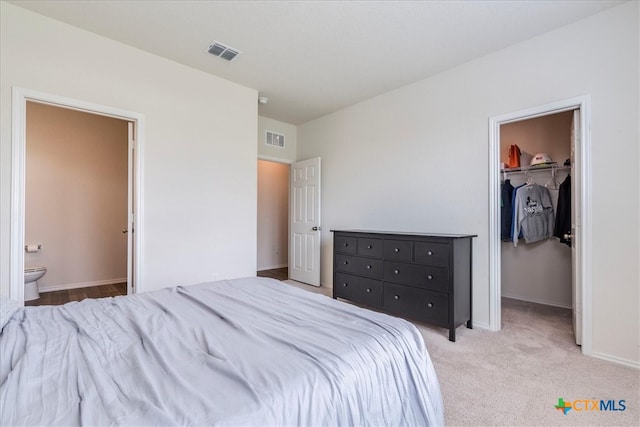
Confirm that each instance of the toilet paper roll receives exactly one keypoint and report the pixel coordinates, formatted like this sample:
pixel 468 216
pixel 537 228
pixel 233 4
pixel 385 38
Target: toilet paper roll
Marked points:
pixel 32 248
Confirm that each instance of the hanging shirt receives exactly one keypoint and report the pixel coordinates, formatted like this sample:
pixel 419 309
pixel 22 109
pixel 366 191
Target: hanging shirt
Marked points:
pixel 513 214
pixel 506 210
pixel 563 216
pixel 533 214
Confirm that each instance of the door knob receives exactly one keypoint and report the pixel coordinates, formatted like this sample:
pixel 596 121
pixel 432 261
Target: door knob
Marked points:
pixel 317 229
pixel 125 231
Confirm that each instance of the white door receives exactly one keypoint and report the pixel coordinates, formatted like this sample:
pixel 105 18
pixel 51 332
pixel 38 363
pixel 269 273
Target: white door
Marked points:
pixel 576 224
pixel 304 218
pixel 129 230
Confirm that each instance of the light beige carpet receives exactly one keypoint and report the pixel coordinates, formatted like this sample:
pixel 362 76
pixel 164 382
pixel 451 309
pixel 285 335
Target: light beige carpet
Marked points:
pixel 516 376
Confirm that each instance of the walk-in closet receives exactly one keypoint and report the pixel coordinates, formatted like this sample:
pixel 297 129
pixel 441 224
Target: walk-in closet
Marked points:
pixel 536 266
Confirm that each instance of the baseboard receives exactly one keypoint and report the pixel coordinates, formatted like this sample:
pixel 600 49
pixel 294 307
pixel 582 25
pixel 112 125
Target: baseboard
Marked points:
pixel 480 325
pixel 273 267
pixel 537 301
pixel 617 360
pixel 65 287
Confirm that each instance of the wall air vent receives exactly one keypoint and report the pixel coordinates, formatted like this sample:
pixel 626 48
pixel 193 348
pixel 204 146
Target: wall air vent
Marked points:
pixel 275 139
pixel 223 51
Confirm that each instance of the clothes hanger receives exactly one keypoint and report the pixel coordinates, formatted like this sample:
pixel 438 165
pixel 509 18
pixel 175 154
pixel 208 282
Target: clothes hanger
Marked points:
pixel 552 184
pixel 529 181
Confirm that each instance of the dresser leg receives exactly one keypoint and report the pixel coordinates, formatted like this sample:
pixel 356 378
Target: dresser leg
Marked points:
pixel 452 334
pixel 469 325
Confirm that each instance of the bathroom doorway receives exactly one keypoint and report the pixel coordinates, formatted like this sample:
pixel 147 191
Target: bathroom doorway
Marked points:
pixel 75 203
pixel 80 181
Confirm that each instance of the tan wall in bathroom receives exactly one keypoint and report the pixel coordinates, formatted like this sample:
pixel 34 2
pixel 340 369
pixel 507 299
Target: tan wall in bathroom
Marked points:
pixel 76 196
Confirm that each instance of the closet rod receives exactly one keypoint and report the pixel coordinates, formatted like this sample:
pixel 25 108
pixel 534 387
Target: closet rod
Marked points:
pixel 526 169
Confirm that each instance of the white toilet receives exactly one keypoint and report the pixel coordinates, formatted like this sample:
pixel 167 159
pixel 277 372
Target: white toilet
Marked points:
pixel 31 277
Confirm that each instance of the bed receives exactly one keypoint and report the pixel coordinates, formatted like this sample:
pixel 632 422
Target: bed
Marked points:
pixel 250 352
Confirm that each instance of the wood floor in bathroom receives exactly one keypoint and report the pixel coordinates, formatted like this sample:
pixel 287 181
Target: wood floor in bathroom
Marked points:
pixel 63 297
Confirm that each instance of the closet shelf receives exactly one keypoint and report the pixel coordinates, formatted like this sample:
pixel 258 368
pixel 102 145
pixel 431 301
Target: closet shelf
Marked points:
pixel 526 169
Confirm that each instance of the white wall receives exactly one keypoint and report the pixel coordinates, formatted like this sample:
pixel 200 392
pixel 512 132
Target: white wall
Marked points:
pixel 273 215
pixel 200 144
pixel 417 158
pixel 76 196
pixel 269 152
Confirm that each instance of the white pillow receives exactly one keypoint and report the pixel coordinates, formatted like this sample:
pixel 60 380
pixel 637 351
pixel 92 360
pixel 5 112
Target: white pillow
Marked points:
pixel 7 308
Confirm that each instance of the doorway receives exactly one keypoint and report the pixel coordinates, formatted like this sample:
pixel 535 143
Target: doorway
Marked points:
pixel 132 227
pixel 537 271
pixel 76 191
pixel 581 248
pixel 273 219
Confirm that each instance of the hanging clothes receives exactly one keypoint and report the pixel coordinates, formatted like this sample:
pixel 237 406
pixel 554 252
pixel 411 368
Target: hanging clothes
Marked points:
pixel 506 210
pixel 563 216
pixel 533 213
pixel 513 214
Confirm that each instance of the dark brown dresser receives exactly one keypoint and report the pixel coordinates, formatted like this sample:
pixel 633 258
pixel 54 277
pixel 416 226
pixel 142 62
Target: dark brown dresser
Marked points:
pixel 425 277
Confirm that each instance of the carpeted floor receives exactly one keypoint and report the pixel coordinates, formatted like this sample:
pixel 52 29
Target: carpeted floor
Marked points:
pixel 516 376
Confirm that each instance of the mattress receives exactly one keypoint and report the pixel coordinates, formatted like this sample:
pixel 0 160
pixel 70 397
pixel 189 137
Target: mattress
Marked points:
pixel 250 352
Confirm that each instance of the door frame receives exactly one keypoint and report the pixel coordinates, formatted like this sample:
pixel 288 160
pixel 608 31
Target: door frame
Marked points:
pixel 584 248
pixel 20 96
pixel 288 163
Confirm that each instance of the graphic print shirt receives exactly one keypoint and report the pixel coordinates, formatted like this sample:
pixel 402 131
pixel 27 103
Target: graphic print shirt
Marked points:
pixel 533 214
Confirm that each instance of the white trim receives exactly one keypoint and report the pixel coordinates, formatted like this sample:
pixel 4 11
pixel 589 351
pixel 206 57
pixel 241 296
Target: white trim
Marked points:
pixel 618 360
pixel 64 287
pixel 274 159
pixel 584 252
pixel 481 325
pixel 536 301
pixel 16 236
pixel 273 267
pixel 20 96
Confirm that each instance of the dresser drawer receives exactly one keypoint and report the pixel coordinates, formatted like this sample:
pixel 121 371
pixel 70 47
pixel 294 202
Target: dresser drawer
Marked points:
pixel 344 244
pixel 436 254
pixel 358 289
pixel 360 266
pixel 423 276
pixel 419 304
pixel 400 250
pixel 370 247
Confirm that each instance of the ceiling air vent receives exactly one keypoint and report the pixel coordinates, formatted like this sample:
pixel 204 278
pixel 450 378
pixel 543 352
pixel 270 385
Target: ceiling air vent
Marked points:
pixel 222 51
pixel 275 139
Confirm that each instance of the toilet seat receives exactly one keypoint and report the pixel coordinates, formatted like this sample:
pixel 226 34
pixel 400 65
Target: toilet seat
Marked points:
pixel 34 269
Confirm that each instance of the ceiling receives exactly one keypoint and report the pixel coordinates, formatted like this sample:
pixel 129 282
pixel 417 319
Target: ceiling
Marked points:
pixel 311 58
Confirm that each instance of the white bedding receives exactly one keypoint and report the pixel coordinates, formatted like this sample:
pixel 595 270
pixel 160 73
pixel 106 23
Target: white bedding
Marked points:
pixel 251 352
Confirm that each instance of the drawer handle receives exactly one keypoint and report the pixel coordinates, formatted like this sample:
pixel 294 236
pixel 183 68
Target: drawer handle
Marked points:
pixel 430 305
pixel 396 271
pixel 429 253
pixel 346 244
pixel 369 246
pixel 346 262
pixel 429 277
pixel 369 267
pixel 396 297
pixel 396 250
pixel 368 290
pixel 345 284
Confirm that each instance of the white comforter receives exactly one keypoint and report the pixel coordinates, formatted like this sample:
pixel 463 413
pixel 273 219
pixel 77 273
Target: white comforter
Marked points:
pixel 251 352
